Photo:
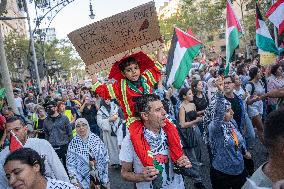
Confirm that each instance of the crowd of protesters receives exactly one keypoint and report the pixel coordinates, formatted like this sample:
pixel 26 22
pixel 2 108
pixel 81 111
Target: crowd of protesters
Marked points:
pixel 71 135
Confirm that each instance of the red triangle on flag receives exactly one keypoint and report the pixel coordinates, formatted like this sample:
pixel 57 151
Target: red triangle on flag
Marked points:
pixel 232 19
pixel 189 31
pixel 186 40
pixel 15 144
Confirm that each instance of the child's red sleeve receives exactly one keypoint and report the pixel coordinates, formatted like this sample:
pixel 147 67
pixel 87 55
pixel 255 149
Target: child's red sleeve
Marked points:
pixel 154 74
pixel 106 91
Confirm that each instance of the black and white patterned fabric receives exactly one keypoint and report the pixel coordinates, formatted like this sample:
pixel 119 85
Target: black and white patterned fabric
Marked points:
pixel 209 114
pixel 78 154
pixel 58 184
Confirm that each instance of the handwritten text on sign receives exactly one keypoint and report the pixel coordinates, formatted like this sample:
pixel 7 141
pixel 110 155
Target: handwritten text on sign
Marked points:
pixel 117 34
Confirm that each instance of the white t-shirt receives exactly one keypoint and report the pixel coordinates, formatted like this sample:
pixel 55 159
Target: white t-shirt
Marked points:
pixel 160 153
pixel 18 102
pixel 56 184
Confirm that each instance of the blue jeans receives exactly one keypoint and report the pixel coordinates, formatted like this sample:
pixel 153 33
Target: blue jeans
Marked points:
pixel 249 133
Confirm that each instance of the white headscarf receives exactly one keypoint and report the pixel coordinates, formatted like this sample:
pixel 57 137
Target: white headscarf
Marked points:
pixel 84 121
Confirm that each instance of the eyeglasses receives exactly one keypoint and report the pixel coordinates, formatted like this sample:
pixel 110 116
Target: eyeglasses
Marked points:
pixel 227 83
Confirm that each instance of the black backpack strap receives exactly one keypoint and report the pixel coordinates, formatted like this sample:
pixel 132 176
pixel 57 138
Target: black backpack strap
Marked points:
pixel 252 87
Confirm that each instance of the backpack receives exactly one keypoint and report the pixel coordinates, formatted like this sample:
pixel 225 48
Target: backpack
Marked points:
pixel 252 87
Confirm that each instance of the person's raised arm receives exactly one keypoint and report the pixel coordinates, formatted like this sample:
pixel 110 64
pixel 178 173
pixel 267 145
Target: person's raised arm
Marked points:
pixel 106 91
pixel 219 109
pixel 185 124
pixel 276 93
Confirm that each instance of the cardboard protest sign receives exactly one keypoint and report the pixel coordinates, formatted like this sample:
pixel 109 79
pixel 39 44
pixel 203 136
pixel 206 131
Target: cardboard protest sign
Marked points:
pixel 267 59
pixel 102 43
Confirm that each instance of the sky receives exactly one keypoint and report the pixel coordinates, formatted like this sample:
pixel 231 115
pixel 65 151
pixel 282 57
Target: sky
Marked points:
pixel 76 14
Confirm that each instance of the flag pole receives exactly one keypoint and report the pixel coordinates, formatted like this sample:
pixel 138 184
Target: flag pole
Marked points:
pixel 275 31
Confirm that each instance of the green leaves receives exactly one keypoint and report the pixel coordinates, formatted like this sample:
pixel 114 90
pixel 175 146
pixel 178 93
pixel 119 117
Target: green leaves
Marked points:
pixel 17 53
pixel 204 17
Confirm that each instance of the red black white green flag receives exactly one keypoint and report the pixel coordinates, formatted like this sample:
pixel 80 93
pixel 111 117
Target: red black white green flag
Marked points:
pixel 184 48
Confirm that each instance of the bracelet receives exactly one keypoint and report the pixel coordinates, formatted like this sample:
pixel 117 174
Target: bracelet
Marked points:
pixel 73 180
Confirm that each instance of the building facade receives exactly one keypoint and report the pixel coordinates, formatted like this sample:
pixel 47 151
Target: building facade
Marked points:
pixel 18 72
pixel 168 9
pixel 16 25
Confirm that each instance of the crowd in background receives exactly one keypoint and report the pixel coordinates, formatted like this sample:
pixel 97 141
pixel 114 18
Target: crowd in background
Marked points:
pixel 85 133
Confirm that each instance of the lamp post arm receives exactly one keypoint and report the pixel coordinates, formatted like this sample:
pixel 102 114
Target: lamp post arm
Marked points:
pixel 42 17
pixel 11 18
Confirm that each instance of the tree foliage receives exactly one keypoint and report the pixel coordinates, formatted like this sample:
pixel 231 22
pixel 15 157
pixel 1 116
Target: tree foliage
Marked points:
pixel 205 17
pixel 17 52
pixel 208 18
pixel 16 48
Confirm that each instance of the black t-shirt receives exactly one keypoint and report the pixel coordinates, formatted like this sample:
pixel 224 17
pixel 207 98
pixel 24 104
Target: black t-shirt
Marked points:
pixel 40 126
pixel 237 109
pixel 200 103
pixel 90 114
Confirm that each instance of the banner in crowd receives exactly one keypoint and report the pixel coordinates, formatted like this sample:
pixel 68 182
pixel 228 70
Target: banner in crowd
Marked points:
pixel 104 42
pixel 267 59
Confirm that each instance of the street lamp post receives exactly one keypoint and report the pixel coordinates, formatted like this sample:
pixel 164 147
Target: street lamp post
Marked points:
pixel 33 47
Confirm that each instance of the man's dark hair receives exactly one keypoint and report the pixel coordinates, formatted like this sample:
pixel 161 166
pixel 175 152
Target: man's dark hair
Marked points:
pixel 241 69
pixel 127 62
pixel 231 77
pixel 142 103
pixel 15 118
pixel 27 156
pixel 49 102
pixel 274 130
pixel 274 69
pixel 253 72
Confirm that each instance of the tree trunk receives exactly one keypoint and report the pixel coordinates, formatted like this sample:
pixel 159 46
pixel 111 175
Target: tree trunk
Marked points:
pixel 6 80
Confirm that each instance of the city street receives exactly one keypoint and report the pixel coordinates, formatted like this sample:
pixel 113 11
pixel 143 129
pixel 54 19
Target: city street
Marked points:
pixel 259 155
pixel 78 77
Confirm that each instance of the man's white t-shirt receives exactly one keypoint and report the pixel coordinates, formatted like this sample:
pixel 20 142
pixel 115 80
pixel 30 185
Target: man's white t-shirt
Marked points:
pixel 161 154
pixel 18 102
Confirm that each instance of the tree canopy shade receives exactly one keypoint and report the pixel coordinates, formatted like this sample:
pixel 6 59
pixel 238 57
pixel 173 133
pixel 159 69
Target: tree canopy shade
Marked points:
pixel 17 53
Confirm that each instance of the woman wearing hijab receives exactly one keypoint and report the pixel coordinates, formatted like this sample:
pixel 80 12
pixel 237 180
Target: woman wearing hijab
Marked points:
pixel 87 158
pixel 227 145
pixel 109 121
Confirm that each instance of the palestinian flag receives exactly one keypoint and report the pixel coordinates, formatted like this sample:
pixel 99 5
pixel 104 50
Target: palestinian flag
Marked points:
pixel 264 41
pixel 184 48
pixel 276 15
pixel 233 33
